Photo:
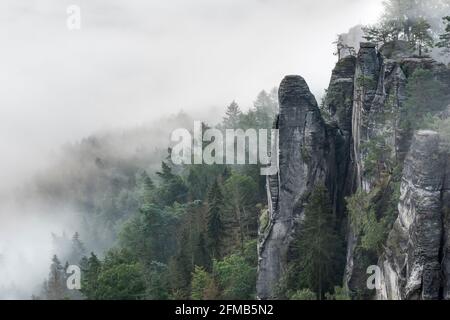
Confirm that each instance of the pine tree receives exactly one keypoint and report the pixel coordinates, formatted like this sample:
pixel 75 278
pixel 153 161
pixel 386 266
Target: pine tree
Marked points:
pixel 382 33
pixel 166 172
pixel 265 110
pixel 180 269
pixel 91 268
pixel 232 116
pixel 56 283
pixel 444 38
pixel 241 197
pixel 401 13
pixel 77 250
pixel 215 225
pixel 421 38
pixel 201 253
pixel 172 188
pixel 145 187
pixel 318 245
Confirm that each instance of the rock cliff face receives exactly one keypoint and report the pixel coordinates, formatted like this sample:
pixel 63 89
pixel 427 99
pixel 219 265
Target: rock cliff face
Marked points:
pixel 363 107
pixel 303 163
pixel 417 247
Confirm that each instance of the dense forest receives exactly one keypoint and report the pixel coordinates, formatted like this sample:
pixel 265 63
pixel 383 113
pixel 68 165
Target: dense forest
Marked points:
pixel 191 231
pixel 182 232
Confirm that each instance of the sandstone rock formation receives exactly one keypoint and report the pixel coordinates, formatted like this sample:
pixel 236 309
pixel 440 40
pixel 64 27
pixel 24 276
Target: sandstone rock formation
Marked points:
pixel 303 162
pixel 365 103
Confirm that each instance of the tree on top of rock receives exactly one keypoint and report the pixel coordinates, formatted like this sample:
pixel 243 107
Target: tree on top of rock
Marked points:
pixel 421 37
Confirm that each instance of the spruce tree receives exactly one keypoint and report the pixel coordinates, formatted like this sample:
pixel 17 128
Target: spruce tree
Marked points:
pixel 172 188
pixel 215 224
pixel 265 109
pixel 77 250
pixel 180 269
pixel 145 188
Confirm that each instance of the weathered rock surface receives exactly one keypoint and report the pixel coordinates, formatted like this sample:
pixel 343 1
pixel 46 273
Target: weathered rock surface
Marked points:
pixel 413 258
pixel 379 104
pixel 339 104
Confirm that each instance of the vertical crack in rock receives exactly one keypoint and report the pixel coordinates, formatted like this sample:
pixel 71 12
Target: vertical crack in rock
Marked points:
pixel 364 105
pixel 367 77
pixel 445 252
pixel 411 264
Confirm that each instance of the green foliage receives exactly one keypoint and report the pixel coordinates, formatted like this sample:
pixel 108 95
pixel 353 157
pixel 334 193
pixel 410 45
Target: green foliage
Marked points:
pixel 172 189
pixel 425 95
pixel 203 285
pixel 180 269
pixel 148 234
pixel 303 295
pixel 444 38
pixel 240 205
pixel 145 188
pixel 318 247
pixel 215 225
pixel 233 277
pixel 118 277
pixel 77 249
pixel 157 282
pixel 405 13
pixel 55 287
pixel 362 208
pixel 374 232
pixel 421 38
pixel 339 294
pixel 236 278
pixel 169 228
pixel 376 156
pixel 250 252
pixel 121 282
pixel 261 116
pixel 265 108
pixel 366 82
pixel 382 33
pixel 232 116
pixel 201 253
pixel 91 268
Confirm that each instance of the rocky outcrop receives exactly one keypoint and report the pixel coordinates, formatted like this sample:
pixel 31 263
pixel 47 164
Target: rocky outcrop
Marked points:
pixel 417 247
pixel 339 105
pixel 304 150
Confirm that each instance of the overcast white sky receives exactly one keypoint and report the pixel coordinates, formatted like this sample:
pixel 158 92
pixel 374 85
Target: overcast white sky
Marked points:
pixel 135 60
